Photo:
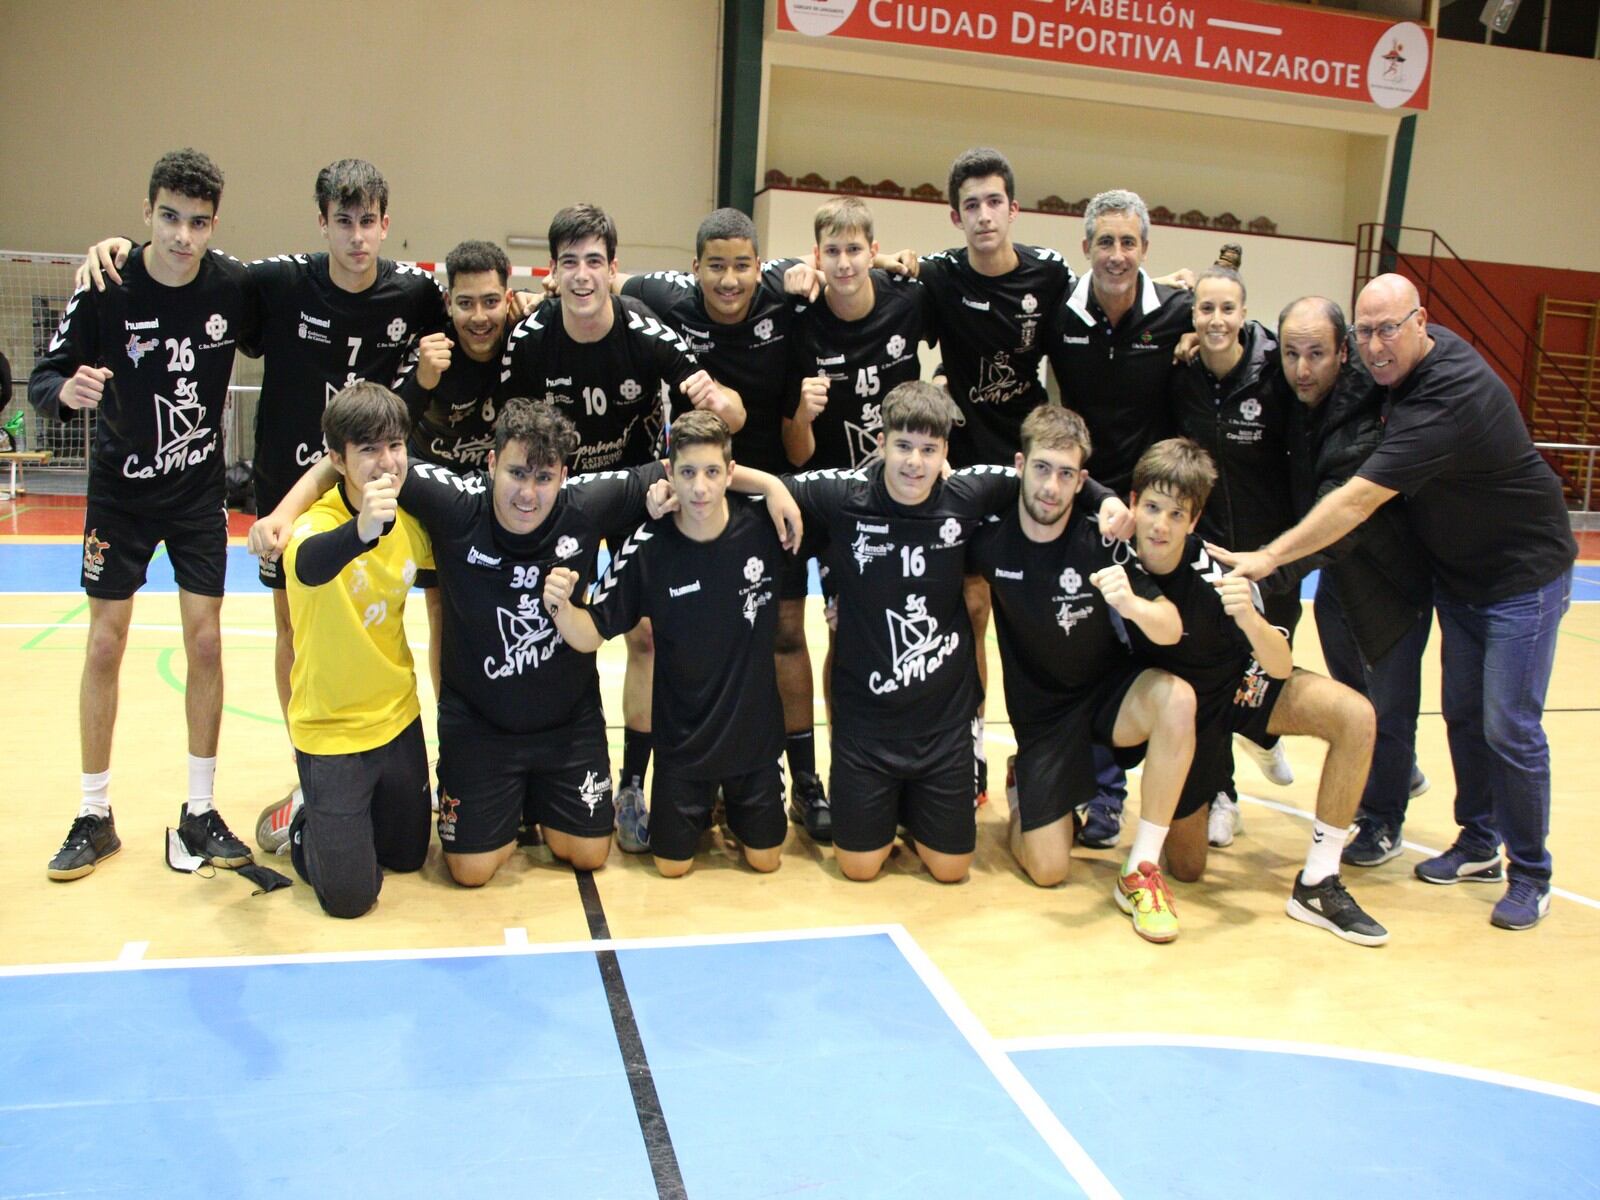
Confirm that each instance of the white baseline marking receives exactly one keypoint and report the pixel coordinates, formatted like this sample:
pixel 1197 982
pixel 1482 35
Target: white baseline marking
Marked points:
pixel 132 951
pixel 1429 851
pixel 1242 27
pixel 1312 1049
pixel 516 935
pixel 1067 1149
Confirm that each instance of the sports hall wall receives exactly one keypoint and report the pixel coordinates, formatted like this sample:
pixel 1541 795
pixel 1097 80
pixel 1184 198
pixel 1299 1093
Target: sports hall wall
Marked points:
pixel 488 116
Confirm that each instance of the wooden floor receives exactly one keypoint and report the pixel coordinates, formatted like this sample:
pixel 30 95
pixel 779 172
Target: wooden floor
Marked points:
pixel 1029 962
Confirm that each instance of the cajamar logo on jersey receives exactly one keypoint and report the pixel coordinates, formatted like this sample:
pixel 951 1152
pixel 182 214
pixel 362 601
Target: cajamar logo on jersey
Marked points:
pixel 916 646
pixel 862 440
pixel 526 636
pixel 997 381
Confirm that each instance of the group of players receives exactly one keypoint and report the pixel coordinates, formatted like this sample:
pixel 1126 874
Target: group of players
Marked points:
pixel 484 458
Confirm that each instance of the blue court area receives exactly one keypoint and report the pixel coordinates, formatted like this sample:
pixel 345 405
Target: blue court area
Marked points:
pixel 1247 1123
pixel 820 1067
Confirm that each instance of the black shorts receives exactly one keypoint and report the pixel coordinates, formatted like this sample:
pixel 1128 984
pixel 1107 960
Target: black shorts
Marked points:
pixel 680 810
pixel 492 782
pixel 118 544
pixel 924 783
pixel 1247 710
pixel 1055 758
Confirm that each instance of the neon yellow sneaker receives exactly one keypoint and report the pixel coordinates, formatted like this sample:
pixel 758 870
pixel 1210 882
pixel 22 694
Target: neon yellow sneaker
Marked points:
pixel 1143 895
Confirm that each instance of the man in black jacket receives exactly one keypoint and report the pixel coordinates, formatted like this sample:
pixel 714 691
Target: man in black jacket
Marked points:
pixel 1374 600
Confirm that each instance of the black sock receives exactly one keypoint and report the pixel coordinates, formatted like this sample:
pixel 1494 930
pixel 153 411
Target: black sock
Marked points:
pixel 801 749
pixel 635 756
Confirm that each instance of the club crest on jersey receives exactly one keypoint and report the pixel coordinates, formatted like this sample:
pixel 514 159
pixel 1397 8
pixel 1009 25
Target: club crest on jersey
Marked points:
pixel 1071 581
pixel 138 349
pixel 216 326
pixel 630 389
pixel 447 816
pixel 895 346
pixel 94 554
pixel 917 649
pixel 763 329
pixel 566 546
pixel 527 638
pixel 397 329
pixel 1253 687
pixel 755 571
pixel 1250 409
pixel 1030 302
pixel 950 531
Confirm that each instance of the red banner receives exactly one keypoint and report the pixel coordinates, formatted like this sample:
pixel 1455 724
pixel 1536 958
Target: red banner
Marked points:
pixel 1311 52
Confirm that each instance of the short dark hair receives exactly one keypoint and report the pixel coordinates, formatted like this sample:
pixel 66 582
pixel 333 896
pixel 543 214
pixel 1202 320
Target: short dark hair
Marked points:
pixel 918 406
pixel 187 172
pixel 699 428
pixel 1179 466
pixel 579 221
pixel 979 163
pixel 351 181
pixel 364 412
pixel 1225 273
pixel 471 257
pixel 725 225
pixel 551 439
pixel 1329 310
pixel 1051 427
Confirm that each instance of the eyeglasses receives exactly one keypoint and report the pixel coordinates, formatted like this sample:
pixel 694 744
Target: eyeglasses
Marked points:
pixel 1387 332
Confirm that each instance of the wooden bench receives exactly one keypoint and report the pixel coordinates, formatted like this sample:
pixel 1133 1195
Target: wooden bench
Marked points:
pixel 12 458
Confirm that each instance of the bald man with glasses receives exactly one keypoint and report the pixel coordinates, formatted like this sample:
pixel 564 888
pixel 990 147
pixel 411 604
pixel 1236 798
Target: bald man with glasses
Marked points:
pixel 1490 514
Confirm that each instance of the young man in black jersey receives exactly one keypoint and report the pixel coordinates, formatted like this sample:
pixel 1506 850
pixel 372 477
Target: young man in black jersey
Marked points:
pixel 706 575
pixel 452 396
pixel 736 316
pixel 1245 682
pixel 905 683
pixel 606 361
pixel 522 735
pixel 1062 593
pixel 152 356
pixel 327 320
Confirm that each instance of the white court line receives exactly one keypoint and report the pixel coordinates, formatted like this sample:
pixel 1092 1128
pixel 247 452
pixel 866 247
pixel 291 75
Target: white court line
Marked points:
pixel 1242 27
pixel 1312 1049
pixel 516 935
pixel 132 951
pixel 1067 1149
pixel 587 946
pixel 1418 847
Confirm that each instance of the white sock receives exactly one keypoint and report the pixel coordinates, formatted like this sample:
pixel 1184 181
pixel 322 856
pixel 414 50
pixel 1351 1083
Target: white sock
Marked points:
pixel 96 795
pixel 202 782
pixel 1147 842
pixel 1322 859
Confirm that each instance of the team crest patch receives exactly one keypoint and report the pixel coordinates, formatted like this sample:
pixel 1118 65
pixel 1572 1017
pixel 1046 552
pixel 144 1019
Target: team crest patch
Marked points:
pixel 447 816
pixel 763 329
pixel 1253 687
pixel 94 554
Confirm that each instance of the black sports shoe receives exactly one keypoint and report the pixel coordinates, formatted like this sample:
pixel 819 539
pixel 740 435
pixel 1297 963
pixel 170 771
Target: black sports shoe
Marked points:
pixel 1099 825
pixel 809 806
pixel 1328 906
pixel 206 835
pixel 1373 845
pixel 88 841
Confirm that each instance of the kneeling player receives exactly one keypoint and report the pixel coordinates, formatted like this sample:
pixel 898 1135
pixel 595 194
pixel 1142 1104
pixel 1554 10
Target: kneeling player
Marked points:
pixel 706 576
pixel 1061 596
pixel 353 712
pixel 1244 682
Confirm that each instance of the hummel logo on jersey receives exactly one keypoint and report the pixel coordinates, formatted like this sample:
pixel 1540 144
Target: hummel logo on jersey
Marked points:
pixel 836 360
pixel 564 381
pixel 476 557
pixel 1210 571
pixel 473 484
pixel 1029 302
pixel 1250 409
pixel 630 389
pixel 895 346
pixel 863 527
pixel 397 329
pixel 153 323
pixel 916 647
pixel 763 329
pixel 566 546
pixel 319 322
pixel 216 326
pixel 1002 573
pixel 980 305
pixel 950 531
pixel 753 569
pixel 696 333
pixel 138 349
pixel 686 590
pixel 1071 581
pixel 525 637
pixel 1076 341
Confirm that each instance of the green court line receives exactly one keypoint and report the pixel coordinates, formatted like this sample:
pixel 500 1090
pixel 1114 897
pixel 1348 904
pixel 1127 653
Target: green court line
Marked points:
pixel 61 621
pixel 164 669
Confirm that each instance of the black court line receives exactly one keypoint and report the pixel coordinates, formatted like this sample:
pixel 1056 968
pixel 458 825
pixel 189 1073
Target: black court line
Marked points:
pixel 646 1104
